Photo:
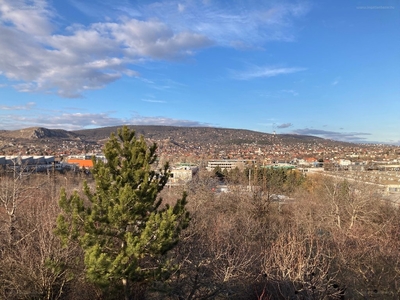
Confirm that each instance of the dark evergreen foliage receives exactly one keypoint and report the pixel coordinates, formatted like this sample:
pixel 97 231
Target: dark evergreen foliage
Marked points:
pixel 123 229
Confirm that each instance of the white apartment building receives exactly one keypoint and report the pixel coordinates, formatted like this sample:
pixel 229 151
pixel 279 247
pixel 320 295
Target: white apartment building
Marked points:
pixel 229 164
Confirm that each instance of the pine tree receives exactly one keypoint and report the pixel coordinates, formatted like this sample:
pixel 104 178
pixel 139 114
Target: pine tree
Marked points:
pixel 122 228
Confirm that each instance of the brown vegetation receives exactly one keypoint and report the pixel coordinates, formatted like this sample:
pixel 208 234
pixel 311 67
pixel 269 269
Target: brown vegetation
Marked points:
pixel 335 240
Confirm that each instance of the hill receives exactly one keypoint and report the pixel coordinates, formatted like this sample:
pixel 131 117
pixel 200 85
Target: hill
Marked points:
pixel 37 133
pixel 204 135
pixel 172 139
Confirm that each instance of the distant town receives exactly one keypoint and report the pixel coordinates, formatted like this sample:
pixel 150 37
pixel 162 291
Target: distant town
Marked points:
pixel 377 164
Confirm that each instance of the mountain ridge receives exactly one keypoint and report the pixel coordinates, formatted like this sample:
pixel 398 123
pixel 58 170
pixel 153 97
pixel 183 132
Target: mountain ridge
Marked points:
pixel 38 133
pixel 205 135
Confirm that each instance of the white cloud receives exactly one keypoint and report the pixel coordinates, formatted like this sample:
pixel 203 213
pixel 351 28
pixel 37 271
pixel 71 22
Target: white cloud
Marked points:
pixel 284 125
pixel 165 121
pixel 356 137
pixel 153 101
pixel 88 58
pixel 27 106
pixel 336 81
pixel 75 121
pixel 257 72
pixel 244 23
pixel 181 7
pixel 64 121
pixel 67 61
pixel 153 39
pixel 292 92
pixel 28 17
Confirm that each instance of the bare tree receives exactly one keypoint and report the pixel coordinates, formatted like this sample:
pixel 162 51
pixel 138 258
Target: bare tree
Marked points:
pixel 298 265
pixel 362 233
pixel 33 265
pixel 13 192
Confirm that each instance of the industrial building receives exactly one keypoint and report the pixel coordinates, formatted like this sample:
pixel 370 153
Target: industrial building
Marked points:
pixel 28 163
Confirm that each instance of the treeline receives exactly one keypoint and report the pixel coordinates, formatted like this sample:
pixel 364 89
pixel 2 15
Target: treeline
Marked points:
pixel 335 240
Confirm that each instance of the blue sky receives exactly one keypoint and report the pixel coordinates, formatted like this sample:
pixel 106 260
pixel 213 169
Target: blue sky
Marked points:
pixel 325 68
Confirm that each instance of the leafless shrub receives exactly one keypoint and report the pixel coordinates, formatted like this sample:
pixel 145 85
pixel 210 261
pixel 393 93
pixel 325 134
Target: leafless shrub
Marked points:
pixel 33 263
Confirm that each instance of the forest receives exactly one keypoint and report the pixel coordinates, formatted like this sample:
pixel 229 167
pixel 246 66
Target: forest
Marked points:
pixel 117 233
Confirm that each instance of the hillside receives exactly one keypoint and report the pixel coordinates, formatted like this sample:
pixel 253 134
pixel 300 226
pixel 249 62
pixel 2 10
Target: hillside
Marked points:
pixel 199 140
pixel 205 135
pixel 201 135
pixel 37 133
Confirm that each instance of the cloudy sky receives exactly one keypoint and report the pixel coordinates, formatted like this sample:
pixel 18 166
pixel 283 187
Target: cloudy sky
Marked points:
pixel 325 68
